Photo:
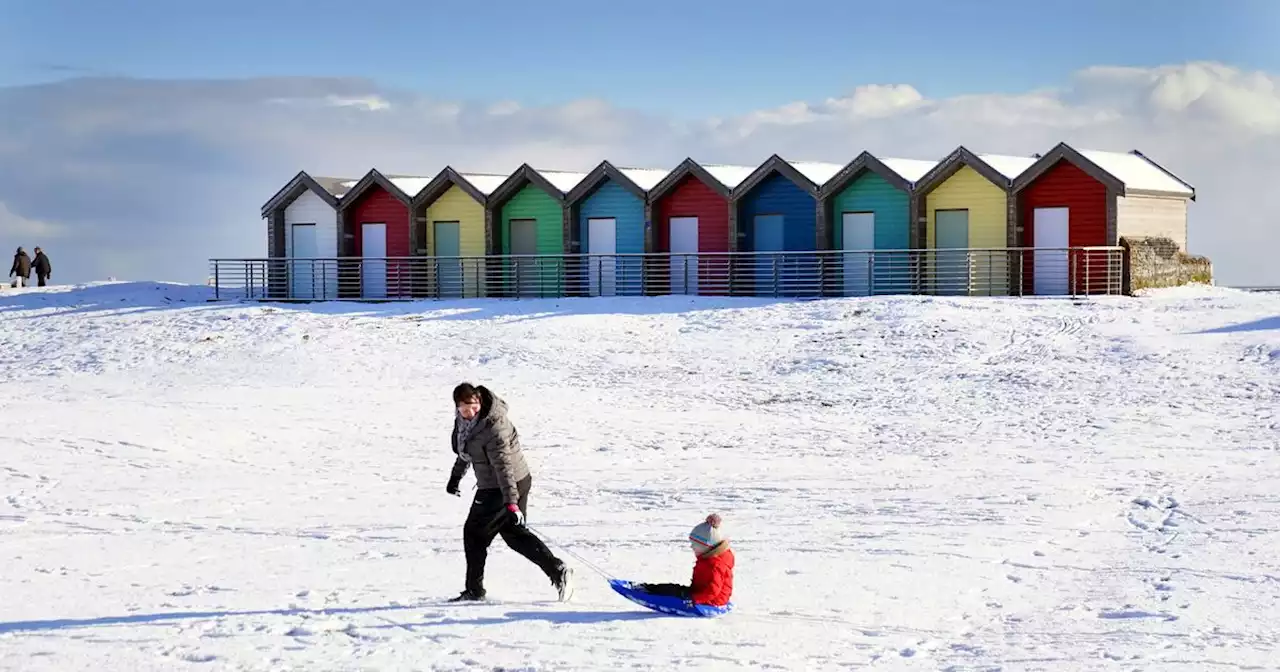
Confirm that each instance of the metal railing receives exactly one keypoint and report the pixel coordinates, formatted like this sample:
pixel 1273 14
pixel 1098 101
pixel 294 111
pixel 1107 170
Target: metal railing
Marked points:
pixel 1072 271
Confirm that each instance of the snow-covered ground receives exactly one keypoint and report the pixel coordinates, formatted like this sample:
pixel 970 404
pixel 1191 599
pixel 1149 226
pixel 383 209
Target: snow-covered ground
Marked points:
pixel 910 483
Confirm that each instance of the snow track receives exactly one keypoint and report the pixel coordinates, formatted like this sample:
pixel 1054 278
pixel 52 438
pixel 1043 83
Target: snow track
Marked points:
pixel 910 483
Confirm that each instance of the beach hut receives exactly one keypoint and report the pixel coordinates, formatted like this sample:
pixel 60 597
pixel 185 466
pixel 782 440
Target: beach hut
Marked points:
pixel 530 221
pixel 374 218
pixel 449 227
pixel 608 209
pixel 868 206
pixel 777 211
pixel 1087 198
pixel 691 215
pixel 302 232
pixel 965 200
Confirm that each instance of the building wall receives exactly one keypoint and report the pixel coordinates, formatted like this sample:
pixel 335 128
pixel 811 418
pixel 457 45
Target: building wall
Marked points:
pixel 1066 186
pixel 1152 217
pixel 692 198
pixel 456 205
pixel 377 205
pixel 534 203
pixel 892 209
pixel 988 225
pixel 612 200
pixel 776 195
pixel 311 209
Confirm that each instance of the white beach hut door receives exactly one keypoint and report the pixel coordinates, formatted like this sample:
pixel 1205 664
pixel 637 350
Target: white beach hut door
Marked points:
pixel 602 238
pixel 373 268
pixel 1052 227
pixel 684 270
pixel 858 239
pixel 303 267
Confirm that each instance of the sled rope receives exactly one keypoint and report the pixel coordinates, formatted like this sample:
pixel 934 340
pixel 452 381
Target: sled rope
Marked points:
pixel 587 563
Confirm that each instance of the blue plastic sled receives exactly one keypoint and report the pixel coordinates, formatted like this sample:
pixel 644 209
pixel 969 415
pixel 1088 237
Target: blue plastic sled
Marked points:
pixel 666 604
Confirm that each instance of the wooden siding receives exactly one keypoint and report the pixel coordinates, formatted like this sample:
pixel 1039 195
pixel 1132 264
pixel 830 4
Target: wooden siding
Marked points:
pixel 776 195
pixel 375 206
pixel 456 205
pixel 308 208
pixel 1153 216
pixel 891 207
pixel 692 198
pixel 786 276
pixel 533 203
pixel 1064 186
pixel 988 224
pixel 611 199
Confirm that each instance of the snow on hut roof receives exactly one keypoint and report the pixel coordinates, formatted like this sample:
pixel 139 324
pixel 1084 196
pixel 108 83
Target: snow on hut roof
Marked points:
pixel 645 178
pixel 818 172
pixel 728 175
pixel 911 170
pixel 1009 166
pixel 337 186
pixel 409 184
pixel 485 183
pixel 563 180
pixel 1137 172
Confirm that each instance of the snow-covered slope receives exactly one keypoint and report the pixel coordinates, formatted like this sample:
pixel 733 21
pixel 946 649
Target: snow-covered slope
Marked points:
pixel 916 483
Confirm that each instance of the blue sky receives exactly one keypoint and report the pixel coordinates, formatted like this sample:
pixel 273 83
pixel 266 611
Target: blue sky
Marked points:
pixel 675 57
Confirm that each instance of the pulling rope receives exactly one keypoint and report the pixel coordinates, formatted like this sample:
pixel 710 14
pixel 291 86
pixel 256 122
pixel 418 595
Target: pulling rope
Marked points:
pixel 587 563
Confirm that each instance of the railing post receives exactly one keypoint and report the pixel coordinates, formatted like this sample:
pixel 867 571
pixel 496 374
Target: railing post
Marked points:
pixel 1088 286
pixel 1074 273
pixel 217 281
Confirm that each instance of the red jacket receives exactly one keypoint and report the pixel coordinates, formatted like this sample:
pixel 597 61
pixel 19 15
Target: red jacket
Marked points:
pixel 713 578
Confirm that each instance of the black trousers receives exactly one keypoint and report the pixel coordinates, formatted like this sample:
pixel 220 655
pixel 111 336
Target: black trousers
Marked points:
pixel 41 279
pixel 668 589
pixel 489 518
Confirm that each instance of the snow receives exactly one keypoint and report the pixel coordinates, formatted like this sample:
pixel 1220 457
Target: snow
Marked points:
pixel 1136 172
pixel 645 178
pixel 818 172
pixel 918 483
pixel 563 180
pixel 410 186
pixel 1009 166
pixel 729 175
pixel 485 183
pixel 910 170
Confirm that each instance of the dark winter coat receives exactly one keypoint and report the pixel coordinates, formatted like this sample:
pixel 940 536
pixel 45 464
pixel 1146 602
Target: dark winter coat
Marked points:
pixel 41 265
pixel 21 265
pixel 492 448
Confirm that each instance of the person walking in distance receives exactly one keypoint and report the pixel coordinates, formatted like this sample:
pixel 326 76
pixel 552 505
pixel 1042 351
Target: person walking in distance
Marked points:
pixel 485 440
pixel 42 267
pixel 21 269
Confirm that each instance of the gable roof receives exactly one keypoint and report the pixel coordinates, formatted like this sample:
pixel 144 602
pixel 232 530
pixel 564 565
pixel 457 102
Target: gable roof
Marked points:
pixel 447 179
pixel 867 162
pixel 645 178
pixel 527 174
pixel 1141 174
pixel 953 162
pixel 602 172
pixel 779 165
pixel 1064 152
pixel 374 178
pixel 1009 166
pixel 329 189
pixel 686 168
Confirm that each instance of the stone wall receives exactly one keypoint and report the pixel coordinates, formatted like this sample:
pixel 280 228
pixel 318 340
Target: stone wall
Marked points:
pixel 1157 262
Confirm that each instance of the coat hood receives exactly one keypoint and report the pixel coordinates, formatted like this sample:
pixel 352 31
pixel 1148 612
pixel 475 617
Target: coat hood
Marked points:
pixel 492 407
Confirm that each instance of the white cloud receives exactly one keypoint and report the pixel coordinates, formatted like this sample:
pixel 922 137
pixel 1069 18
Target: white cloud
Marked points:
pixel 16 227
pixel 174 172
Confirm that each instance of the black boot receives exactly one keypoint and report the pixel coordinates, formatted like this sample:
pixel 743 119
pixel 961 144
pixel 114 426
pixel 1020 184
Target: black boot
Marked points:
pixel 469 596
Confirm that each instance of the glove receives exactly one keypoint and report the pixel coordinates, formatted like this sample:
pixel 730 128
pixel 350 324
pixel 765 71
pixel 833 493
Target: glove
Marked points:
pixel 452 488
pixel 515 511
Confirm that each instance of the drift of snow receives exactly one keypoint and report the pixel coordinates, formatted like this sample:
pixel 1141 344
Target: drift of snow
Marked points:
pixel 921 482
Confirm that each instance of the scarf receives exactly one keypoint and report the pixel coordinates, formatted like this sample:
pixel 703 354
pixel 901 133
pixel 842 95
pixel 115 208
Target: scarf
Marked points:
pixel 465 428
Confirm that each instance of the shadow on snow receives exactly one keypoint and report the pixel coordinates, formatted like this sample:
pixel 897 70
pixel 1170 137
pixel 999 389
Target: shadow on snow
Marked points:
pixel 509 617
pixel 1265 324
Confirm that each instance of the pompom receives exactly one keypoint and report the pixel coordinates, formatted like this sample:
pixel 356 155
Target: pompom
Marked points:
pixel 714 520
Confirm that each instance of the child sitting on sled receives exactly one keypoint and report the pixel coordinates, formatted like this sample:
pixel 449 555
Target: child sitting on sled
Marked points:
pixel 712 572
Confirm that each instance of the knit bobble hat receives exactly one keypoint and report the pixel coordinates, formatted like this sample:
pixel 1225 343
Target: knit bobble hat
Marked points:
pixel 706 535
